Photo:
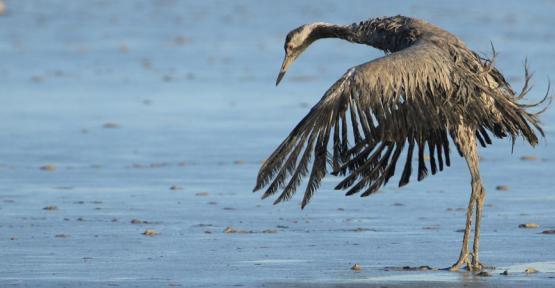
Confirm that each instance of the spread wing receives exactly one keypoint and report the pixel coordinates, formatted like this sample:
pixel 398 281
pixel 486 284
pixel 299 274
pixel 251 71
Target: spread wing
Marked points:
pixel 362 124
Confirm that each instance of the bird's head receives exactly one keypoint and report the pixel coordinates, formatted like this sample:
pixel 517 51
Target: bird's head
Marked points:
pixel 295 43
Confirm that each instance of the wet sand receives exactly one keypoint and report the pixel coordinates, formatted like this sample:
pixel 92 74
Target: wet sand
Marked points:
pixel 132 133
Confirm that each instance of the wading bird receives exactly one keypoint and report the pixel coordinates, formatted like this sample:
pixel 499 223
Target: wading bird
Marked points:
pixel 428 87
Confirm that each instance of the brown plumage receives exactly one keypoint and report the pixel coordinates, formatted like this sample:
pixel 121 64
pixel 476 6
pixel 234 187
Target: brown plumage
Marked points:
pixel 428 88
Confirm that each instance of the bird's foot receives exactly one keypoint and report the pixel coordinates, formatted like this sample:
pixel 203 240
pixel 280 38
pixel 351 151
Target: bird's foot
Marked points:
pixel 462 261
pixel 477 266
pixel 472 266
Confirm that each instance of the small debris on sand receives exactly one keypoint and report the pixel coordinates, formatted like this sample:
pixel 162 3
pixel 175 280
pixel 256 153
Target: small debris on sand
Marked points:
pixel 269 231
pixel 229 230
pixel 50 208
pixel 150 232
pixel 410 268
pixel 110 125
pixel 530 270
pixel 484 274
pixel 176 188
pixel 431 227
pixel 504 273
pixel 361 229
pixel 181 40
pixel 37 78
pixel 502 187
pixel 282 226
pixel 138 221
pixel 201 194
pixel 158 164
pixel 356 267
pixel 548 232
pixel 167 78
pixel 232 230
pixel 203 225
pixel 147 64
pixel 528 158
pixel 529 225
pixel 48 167
pixel 124 48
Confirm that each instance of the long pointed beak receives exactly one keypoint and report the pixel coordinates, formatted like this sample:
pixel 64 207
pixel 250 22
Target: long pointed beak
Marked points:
pixel 286 61
pixel 280 76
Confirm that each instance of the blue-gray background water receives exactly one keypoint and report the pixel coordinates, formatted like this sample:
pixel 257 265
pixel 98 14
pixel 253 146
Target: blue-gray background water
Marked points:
pixel 162 111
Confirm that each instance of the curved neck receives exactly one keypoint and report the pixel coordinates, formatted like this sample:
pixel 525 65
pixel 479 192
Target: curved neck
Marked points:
pixel 388 34
pixel 326 30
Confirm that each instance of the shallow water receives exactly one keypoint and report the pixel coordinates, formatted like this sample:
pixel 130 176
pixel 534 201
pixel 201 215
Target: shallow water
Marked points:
pixel 129 98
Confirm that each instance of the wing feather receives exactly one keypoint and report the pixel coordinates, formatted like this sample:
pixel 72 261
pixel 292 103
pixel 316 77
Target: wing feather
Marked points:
pixel 415 96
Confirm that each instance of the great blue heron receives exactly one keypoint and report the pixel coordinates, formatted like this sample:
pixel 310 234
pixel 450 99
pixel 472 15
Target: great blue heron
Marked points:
pixel 427 87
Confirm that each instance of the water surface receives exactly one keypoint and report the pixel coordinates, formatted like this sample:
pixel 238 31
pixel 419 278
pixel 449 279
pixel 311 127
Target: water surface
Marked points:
pixel 126 99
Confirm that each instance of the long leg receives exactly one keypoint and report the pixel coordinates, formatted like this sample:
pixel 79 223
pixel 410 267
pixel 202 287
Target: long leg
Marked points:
pixel 463 257
pixel 465 140
pixel 476 265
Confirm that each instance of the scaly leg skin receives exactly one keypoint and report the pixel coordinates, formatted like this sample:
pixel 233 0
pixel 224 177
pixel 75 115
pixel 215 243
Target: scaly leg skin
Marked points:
pixel 476 265
pixel 463 258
